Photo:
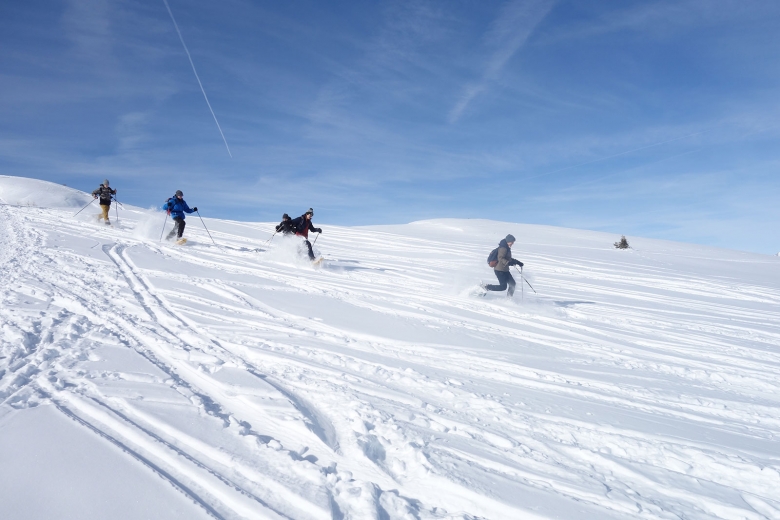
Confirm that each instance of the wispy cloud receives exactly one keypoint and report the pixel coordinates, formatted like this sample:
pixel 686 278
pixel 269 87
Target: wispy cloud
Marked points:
pixel 506 37
pixel 130 130
pixel 663 18
pixel 87 24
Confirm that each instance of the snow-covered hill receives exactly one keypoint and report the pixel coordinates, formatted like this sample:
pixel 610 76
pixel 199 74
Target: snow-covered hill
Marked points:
pixel 144 380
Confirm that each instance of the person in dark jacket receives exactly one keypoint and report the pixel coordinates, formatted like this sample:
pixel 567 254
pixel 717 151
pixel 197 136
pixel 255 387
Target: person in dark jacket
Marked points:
pixel 104 193
pixel 284 226
pixel 505 261
pixel 302 225
pixel 177 207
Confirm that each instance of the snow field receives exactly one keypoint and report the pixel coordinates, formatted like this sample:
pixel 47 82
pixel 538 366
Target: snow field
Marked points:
pixel 237 381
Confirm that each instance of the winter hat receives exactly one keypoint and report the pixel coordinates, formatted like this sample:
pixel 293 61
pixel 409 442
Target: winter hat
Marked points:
pixel 105 182
pixel 286 216
pixel 509 238
pixel 310 212
pixel 179 193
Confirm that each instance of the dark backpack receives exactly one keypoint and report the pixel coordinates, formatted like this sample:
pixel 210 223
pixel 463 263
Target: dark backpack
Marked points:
pixel 493 258
pixel 104 192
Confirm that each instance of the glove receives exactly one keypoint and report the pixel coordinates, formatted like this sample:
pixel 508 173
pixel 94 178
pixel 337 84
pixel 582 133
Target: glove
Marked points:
pixel 518 262
pixel 318 230
pixel 195 208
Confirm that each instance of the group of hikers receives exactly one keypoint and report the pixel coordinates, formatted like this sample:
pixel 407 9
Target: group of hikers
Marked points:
pixel 500 259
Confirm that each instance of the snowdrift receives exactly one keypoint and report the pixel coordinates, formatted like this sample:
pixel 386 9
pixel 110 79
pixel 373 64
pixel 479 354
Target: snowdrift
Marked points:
pixel 19 191
pixel 142 379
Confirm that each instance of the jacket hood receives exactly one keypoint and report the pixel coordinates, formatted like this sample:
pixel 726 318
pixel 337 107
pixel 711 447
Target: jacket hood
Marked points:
pixel 503 244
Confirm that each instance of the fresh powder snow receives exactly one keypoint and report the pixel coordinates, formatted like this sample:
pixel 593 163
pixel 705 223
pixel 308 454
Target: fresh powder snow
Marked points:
pixel 142 379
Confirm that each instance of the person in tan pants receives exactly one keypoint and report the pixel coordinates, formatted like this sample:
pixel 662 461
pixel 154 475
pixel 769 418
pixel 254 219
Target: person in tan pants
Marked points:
pixel 104 192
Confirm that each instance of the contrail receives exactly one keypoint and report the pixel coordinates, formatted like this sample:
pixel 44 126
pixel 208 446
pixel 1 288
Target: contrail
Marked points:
pixel 196 76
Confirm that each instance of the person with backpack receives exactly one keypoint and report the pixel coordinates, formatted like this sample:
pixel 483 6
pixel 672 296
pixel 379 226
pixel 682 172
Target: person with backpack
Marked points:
pixel 104 193
pixel 284 226
pixel 176 207
pixel 500 259
pixel 302 225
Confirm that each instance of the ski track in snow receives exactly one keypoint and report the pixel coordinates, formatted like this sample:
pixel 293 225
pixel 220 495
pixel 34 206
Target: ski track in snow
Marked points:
pixel 637 386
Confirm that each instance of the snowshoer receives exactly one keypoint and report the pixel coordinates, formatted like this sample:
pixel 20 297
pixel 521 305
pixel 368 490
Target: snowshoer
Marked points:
pixel 177 207
pixel 504 261
pixel 302 225
pixel 104 193
pixel 284 226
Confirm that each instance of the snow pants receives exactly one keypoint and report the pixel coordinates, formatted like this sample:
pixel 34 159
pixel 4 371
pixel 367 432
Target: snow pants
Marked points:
pixel 311 251
pixel 505 280
pixel 104 208
pixel 178 228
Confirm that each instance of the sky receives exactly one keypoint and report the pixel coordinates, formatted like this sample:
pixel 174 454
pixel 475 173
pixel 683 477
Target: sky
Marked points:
pixel 650 118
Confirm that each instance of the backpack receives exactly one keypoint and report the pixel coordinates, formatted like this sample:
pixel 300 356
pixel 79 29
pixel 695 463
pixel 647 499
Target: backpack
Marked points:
pixel 493 258
pixel 104 192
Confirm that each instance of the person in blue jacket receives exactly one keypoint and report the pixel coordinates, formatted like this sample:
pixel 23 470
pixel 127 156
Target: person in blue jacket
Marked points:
pixel 177 207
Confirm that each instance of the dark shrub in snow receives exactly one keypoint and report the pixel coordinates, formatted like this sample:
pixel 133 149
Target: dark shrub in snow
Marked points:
pixel 623 244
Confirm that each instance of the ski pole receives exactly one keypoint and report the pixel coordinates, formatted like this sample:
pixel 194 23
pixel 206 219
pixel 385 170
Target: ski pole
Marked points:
pixel 531 286
pixel 272 237
pixel 116 209
pixel 163 229
pixel 315 239
pixel 85 207
pixel 526 281
pixel 207 229
pixel 522 287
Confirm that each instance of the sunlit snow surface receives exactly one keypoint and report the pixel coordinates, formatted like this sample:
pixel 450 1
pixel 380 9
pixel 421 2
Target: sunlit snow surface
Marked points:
pixel 140 379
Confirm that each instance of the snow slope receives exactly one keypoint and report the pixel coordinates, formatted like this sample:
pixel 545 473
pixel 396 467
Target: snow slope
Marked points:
pixel 20 191
pixel 140 379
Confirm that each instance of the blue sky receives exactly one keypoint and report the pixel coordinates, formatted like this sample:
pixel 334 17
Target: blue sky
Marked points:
pixel 657 119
